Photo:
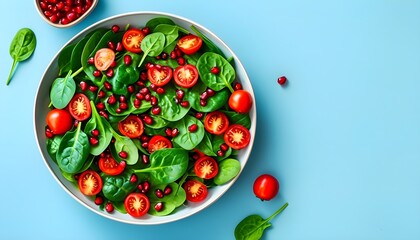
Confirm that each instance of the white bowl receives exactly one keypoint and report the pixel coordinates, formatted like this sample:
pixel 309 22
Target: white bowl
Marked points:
pixel 41 109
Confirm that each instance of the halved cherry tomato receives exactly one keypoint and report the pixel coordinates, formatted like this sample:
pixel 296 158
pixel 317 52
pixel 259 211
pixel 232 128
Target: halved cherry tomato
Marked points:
pixel 59 121
pixel 237 136
pixel 189 44
pixel 196 191
pixel 158 142
pixel 206 167
pixel 266 187
pixel 216 122
pixel 110 166
pixel 79 107
pixel 240 101
pixel 159 75
pixel 103 59
pixel 137 204
pixel 186 75
pixel 90 183
pixel 131 127
pixel 132 40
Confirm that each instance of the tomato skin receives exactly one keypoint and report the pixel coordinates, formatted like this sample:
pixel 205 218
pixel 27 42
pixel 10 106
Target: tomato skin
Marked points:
pixel 216 122
pixel 159 75
pixel 59 121
pixel 189 44
pixel 90 183
pixel 206 167
pixel 266 187
pixel 186 76
pixel 240 101
pixel 132 126
pixel 79 107
pixel 196 191
pixel 110 166
pixel 132 40
pixel 237 136
pixel 158 142
pixel 103 59
pixel 137 204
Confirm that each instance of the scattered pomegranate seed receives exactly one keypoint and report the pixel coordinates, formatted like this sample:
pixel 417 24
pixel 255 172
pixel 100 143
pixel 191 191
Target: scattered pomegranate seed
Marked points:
pixel 115 28
pixel 109 207
pixel 111 99
pixel 123 154
pixel 215 70
pixel 145 30
pixel 111 45
pixel 158 206
pixel 181 61
pixel 93 141
pixel 119 47
pixel 220 153
pixel 175 132
pixel 148 120
pixel 97 73
pixel 180 94
pixel 130 88
pixel 145 159
pixel 101 94
pixel 167 190
pixel 199 115
pixel 95 132
pixel 193 128
pixel 100 106
pixel 185 104
pixel 282 80
pixel 49 133
pixel 133 178
pixel 127 60
pixel 107 86
pixel 168 132
pixel 93 88
pixel 123 106
pixel 159 193
pixel 224 147
pixel 110 72
pixel 99 200
pixel 160 90
pixel 237 86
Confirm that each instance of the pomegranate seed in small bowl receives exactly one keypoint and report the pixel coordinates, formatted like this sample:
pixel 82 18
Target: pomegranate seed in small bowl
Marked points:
pixel 58 14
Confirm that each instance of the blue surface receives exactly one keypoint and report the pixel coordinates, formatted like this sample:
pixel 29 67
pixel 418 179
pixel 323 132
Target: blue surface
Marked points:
pixel 342 137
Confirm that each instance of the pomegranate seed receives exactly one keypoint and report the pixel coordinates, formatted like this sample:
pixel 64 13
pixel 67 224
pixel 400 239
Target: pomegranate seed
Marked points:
pixel 123 154
pixel 164 55
pixel 83 86
pixel 113 64
pixel 168 132
pixel 119 47
pixel 185 104
pixel 99 200
pixel 145 144
pixel 95 132
pixel 180 94
pixel 220 153
pixel 143 76
pixel 215 70
pixel 149 65
pixel 144 138
pixel 282 80
pixel 110 72
pixel 49 133
pixel 145 30
pixel 224 147
pixel 178 51
pixel 145 159
pixel 93 141
pixel 203 103
pixel 167 190
pixel 158 206
pixel 156 110
pixel 144 91
pixel 159 193
pixel 147 97
pixel 146 186
pixel 137 103
pixel 100 106
pixel 115 28
pixel 133 178
pixel 153 87
pixel 93 88
pixel 210 92
pixel 107 86
pixel 148 120
pixel 140 188
pixel 71 16
pixel 97 73
pixel 160 90
pixel 175 132
pixel 193 128
pixel 130 88
pixel 118 110
pixel 111 99
pixel 237 86
pixel 172 55
pixel 199 115
pixel 139 96
pixel 101 94
pixel 104 114
pixel 111 45
pixel 76 123
pixel 122 99
pixel 127 60
pixel 153 101
pixel 181 61
pixel 109 207
pixel 204 95
pixel 123 106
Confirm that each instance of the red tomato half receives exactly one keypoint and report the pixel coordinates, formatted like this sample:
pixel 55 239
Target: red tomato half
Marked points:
pixel 159 75
pixel 266 187
pixel 59 121
pixel 79 107
pixel 206 167
pixel 216 122
pixel 240 101
pixel 90 183
pixel 131 127
pixel 196 191
pixel 237 136
pixel 137 204
pixel 132 40
pixel 186 76
pixel 189 44
pixel 110 166
pixel 103 59
pixel 158 142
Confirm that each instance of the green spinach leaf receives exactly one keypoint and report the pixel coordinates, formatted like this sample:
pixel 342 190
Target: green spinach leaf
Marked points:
pixel 102 125
pixel 216 81
pixel 228 169
pixel 62 91
pixel 171 201
pixel 152 45
pixel 186 139
pixel 116 188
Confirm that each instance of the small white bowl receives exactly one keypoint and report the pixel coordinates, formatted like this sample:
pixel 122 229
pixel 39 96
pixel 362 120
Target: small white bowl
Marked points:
pixel 41 109
pixel 60 25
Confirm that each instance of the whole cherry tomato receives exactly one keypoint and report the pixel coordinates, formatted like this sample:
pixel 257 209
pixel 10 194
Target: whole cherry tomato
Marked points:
pixel 266 187
pixel 240 101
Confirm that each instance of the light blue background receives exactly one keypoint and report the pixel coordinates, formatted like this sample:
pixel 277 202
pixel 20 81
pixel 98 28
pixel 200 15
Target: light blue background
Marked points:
pixel 342 137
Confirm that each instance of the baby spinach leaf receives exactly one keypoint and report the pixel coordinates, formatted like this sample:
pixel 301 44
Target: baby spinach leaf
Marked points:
pixel 170 110
pixel 186 139
pixel 73 150
pixel 228 169
pixel 52 146
pixel 170 202
pixel 63 59
pixel 253 226
pixel 102 125
pixel 152 23
pixel 21 48
pixel 62 91
pixel 116 188
pixel 238 118
pixel 125 75
pixel 217 101
pixel 170 31
pixel 217 141
pixel 206 146
pixel 215 81
pixel 167 165
pixel 208 43
pixel 152 45
pixel 77 51
pixel 123 143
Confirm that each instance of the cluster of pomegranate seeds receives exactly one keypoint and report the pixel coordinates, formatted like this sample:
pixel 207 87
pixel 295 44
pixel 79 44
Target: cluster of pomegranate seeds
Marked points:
pixel 64 11
pixel 160 194
pixel 222 150
pixel 144 187
pixel 205 95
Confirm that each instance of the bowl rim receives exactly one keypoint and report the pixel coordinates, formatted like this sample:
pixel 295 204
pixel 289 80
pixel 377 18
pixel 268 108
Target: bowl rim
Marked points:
pixel 57 25
pixel 163 219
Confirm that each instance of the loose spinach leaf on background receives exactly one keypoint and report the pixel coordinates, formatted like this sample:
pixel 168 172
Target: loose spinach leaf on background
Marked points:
pixel 21 48
pixel 253 226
